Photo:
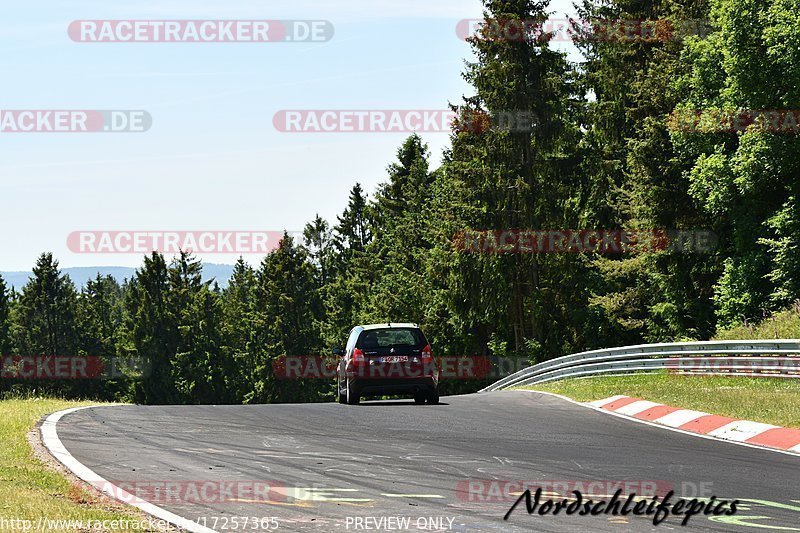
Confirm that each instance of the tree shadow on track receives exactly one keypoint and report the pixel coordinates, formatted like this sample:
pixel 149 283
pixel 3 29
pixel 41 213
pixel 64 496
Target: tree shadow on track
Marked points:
pixel 397 403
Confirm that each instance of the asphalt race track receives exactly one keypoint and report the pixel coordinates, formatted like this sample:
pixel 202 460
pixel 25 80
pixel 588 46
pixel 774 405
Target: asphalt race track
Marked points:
pixel 345 468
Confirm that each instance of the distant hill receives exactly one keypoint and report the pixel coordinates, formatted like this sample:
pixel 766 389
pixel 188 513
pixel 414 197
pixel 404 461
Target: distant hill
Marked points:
pixel 80 275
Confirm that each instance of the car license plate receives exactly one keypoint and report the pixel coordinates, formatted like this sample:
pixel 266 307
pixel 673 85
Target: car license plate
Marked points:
pixel 394 359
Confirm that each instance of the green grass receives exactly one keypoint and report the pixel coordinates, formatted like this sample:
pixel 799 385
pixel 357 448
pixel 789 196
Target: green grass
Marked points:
pixel 782 325
pixel 770 400
pixel 28 488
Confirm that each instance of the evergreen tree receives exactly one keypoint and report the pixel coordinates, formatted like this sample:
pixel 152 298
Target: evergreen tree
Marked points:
pixel 152 331
pixel 318 239
pixel 5 324
pixel 46 324
pixel 409 182
pixel 517 178
pixel 240 311
pixel 286 321
pixel 401 210
pixel 99 321
pixel 352 270
pixel 48 308
pixel 204 367
pixel 195 312
pixel 634 178
pixel 100 313
pixel 5 328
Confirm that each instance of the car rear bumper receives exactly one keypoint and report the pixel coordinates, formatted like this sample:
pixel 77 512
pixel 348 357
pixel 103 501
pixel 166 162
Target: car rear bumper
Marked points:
pixel 389 386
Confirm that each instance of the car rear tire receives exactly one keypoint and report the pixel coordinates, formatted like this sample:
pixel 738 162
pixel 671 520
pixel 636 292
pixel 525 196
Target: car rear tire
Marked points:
pixel 342 396
pixel 352 398
pixel 433 398
pixel 419 399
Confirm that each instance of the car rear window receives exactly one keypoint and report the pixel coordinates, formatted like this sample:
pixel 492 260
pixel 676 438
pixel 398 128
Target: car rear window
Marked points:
pixel 390 337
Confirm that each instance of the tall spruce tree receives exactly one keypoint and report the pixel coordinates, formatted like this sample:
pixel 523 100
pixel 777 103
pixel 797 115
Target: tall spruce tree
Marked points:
pixel 151 331
pixel 401 241
pixel 204 367
pixel 634 178
pixel 5 328
pixel 48 309
pixel 318 239
pixel 100 306
pixel 199 365
pixel 352 269
pixel 286 322
pixel 46 322
pixel 99 320
pixel 508 179
pixel 5 324
pixel 240 312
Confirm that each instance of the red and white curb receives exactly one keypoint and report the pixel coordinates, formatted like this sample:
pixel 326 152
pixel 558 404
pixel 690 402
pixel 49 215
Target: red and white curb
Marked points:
pixel 720 427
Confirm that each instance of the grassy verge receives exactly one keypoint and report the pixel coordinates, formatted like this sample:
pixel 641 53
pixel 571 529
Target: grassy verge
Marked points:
pixel 782 325
pixel 28 488
pixel 773 401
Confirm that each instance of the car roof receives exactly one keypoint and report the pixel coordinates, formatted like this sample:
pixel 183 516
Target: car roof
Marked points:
pixel 389 325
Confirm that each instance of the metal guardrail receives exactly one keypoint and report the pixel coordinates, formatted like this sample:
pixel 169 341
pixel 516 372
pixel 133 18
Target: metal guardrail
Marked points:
pixel 774 358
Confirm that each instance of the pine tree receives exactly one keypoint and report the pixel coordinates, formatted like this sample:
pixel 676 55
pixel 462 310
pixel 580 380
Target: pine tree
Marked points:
pixel 240 311
pixel 409 182
pixel 204 367
pixel 635 180
pixel 152 331
pixel 352 270
pixel 401 210
pixel 46 322
pixel 5 324
pixel 48 308
pixel 195 311
pixel 5 327
pixel 318 240
pixel 100 312
pixel 511 178
pixel 288 312
pixel 99 322
pixel 354 230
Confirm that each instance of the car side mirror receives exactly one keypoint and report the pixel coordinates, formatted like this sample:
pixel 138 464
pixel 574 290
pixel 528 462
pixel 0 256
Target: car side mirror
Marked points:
pixel 338 352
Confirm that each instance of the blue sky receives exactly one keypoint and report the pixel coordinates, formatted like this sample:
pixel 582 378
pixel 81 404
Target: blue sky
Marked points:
pixel 212 160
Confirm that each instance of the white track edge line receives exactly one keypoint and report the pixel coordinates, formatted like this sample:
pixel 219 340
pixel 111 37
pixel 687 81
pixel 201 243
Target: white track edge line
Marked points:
pixel 59 452
pixel 668 428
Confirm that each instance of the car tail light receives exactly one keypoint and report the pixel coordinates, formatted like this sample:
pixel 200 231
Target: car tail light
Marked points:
pixel 358 358
pixel 427 355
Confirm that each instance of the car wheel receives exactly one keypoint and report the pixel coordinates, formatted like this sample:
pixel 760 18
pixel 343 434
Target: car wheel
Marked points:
pixel 352 398
pixel 419 399
pixel 433 397
pixel 339 394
